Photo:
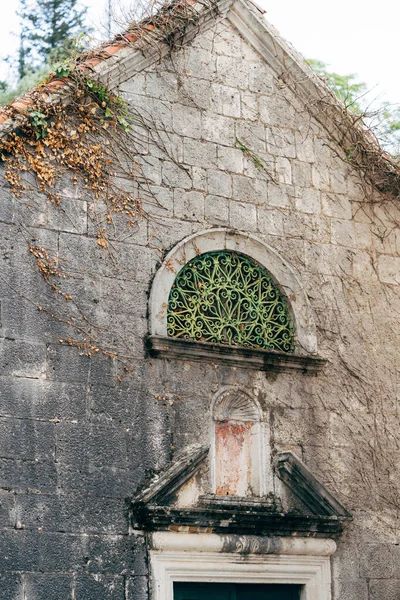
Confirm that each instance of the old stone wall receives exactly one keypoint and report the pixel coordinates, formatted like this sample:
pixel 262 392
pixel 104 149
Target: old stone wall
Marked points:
pixel 240 151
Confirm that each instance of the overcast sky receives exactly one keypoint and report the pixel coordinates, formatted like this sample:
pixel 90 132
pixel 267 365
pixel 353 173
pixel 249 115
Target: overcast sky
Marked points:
pixel 358 37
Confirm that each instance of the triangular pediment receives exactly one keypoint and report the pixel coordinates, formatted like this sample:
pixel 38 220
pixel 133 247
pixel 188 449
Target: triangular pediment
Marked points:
pixel 160 505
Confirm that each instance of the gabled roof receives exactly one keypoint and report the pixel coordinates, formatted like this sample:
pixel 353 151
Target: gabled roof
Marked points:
pixel 179 21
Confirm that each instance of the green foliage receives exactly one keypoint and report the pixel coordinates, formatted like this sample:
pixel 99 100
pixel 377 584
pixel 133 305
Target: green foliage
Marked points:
pixel 26 83
pixel 114 107
pixel 47 28
pixel 39 123
pixel 384 120
pixel 345 87
pixel 98 90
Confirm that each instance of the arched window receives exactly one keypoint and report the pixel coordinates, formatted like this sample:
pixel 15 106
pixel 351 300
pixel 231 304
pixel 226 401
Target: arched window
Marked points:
pixel 237 467
pixel 226 298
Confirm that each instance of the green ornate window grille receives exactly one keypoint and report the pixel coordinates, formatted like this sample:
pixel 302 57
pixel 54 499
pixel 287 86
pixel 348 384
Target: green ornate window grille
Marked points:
pixel 225 298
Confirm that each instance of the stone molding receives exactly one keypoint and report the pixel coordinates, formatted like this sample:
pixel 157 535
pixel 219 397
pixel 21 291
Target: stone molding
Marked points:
pixel 226 239
pixel 240 559
pixel 302 482
pixel 234 356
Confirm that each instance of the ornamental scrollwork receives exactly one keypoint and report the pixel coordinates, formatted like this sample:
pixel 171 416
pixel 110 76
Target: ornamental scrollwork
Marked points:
pixel 226 298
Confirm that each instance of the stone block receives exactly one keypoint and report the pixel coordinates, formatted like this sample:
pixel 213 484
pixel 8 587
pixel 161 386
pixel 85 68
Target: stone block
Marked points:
pixel 23 475
pixel 259 166
pixel 64 363
pixel 22 359
pixel 219 129
pixel 246 189
pixel 243 216
pixel 277 111
pixel 364 268
pixel 106 481
pixel 225 100
pixel 26 439
pixel 137 588
pixel 85 256
pixel 308 200
pixel 176 175
pixel 217 210
pixel 384 589
pixel 201 63
pixel 19 550
pixel 99 587
pixel 156 200
pixel 48 586
pixel 186 121
pixel 249 106
pixel 167 146
pixel 270 221
pixel 188 205
pixel 70 215
pixel 219 183
pixel 12 586
pixel 199 153
pixel 261 78
pixel 150 167
pixel 389 269
pixel 302 174
pixel 72 513
pixel 251 135
pixel 195 92
pixel 338 181
pixel 117 554
pixel 7 509
pixel 328 259
pixel 308 227
pixel 362 235
pixel 134 85
pixel 284 170
pixel 305 147
pixel 163 86
pixel 199 178
pixel 7 205
pixel 353 589
pixel 336 205
pixel 343 233
pixel 280 142
pixel 232 72
pixel 167 232
pixel 377 561
pixel 95 445
pixel 277 195
pixel 321 177
pixel 226 42
pixel 230 159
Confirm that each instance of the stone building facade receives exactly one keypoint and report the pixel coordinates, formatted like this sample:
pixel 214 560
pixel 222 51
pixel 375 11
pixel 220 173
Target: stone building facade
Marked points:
pixel 109 488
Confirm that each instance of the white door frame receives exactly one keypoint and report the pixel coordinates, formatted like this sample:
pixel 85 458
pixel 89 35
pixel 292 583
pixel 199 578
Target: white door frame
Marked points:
pixel 201 558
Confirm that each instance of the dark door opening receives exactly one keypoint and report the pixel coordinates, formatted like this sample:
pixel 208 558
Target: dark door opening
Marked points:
pixel 235 591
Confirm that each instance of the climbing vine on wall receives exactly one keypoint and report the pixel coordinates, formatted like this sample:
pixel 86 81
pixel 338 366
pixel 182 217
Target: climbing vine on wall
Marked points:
pixel 74 132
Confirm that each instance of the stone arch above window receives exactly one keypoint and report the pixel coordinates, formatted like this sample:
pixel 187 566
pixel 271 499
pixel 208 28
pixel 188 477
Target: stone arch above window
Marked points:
pixel 219 240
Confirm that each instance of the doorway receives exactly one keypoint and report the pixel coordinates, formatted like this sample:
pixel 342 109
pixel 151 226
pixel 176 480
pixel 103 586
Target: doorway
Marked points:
pixel 235 591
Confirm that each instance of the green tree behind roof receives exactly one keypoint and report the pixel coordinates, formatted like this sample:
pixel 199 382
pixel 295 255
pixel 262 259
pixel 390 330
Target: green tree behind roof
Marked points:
pixel 384 121
pixel 47 29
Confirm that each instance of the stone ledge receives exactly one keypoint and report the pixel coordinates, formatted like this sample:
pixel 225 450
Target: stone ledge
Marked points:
pixel 248 358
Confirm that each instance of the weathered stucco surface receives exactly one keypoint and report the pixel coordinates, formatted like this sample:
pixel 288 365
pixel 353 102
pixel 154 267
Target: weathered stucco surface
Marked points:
pixel 75 442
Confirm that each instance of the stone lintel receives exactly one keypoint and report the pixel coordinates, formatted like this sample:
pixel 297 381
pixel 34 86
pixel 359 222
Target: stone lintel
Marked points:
pixel 231 521
pixel 234 356
pixel 240 544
